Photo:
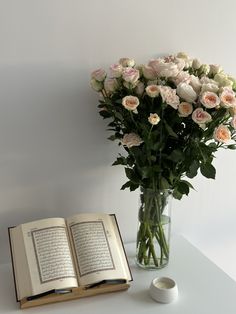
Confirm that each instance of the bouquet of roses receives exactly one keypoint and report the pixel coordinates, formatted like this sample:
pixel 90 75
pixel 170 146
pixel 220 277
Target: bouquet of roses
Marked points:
pixel 170 116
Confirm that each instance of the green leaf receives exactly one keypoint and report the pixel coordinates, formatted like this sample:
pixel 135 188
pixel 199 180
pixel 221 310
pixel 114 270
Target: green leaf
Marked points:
pixel 183 187
pixel 132 175
pixel 105 114
pixel 232 146
pixel 133 187
pixel 118 116
pixel 170 130
pixel 164 184
pixel 120 161
pixel 177 194
pixel 213 145
pixel 208 171
pixel 188 183
pixel 192 172
pixel 145 172
pixel 126 185
pixel 176 155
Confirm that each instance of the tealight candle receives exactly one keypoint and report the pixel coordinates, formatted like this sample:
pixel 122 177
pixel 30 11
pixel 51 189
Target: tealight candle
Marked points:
pixel 163 290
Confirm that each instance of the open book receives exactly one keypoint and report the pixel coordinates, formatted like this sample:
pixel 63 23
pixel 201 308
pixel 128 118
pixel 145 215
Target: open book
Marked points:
pixel 57 255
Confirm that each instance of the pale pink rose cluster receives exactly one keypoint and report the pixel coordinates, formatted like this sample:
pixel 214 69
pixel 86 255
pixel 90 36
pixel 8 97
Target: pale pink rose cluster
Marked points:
pixel 194 89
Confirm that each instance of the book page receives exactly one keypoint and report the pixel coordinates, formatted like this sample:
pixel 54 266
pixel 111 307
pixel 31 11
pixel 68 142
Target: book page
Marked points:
pixel 20 265
pixel 96 249
pixel 48 255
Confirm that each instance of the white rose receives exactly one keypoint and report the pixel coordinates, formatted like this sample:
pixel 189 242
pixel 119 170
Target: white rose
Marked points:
pixel 182 55
pixel 154 119
pixel 131 139
pixel 130 103
pixel 196 64
pixel 96 85
pixel 195 83
pixel 223 80
pixel 154 63
pixel 200 116
pixel 233 80
pixel 185 109
pixel 207 80
pixel 152 91
pixel 186 92
pixel 214 69
pixel 180 63
pixel 148 72
pixel 164 68
pixel 205 68
pixel 116 70
pixel 167 69
pixel 209 100
pixel 99 75
pixel 111 85
pixel 127 62
pixel 182 77
pixel 209 87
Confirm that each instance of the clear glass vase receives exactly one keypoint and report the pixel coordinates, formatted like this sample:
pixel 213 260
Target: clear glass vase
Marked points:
pixel 153 237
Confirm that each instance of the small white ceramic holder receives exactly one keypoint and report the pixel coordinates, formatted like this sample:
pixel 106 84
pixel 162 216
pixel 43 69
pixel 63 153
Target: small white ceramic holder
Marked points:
pixel 163 289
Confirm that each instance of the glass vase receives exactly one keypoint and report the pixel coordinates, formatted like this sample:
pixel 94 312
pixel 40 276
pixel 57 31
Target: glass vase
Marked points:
pixel 153 237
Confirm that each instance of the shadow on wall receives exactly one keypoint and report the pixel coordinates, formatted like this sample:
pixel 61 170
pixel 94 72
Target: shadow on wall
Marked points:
pixel 51 140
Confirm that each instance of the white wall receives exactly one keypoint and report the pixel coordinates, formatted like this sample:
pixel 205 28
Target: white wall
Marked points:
pixel 54 156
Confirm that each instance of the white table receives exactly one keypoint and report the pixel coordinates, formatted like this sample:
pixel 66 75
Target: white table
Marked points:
pixel 203 289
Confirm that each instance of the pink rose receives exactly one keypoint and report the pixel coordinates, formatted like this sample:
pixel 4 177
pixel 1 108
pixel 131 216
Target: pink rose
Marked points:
pixel 227 98
pixel 152 91
pixel 130 103
pixel 183 76
pixel 111 85
pixel 222 134
pixel 185 109
pixel 139 89
pixel 99 75
pixel 169 96
pixel 131 139
pixel 167 69
pixel 148 72
pixel 116 70
pixel 130 75
pixel 200 116
pixel 209 100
